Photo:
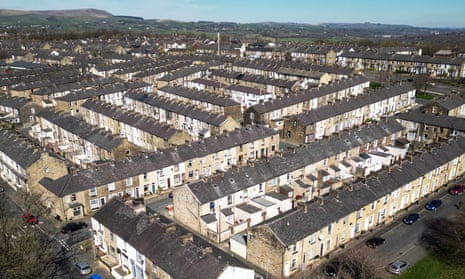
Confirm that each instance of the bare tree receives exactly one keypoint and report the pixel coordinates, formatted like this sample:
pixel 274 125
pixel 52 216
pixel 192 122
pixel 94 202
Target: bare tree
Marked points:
pixel 353 263
pixel 27 252
pixel 420 82
pixel 445 237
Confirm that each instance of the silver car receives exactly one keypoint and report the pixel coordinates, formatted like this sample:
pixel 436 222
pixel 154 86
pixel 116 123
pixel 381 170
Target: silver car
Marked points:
pixel 83 268
pixel 398 267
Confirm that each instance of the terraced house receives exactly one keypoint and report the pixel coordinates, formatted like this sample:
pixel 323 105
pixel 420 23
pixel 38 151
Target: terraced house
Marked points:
pixel 435 66
pixel 143 131
pixel 197 122
pixel 138 245
pixel 17 110
pixel 82 191
pixel 333 118
pixel 23 164
pixel 298 239
pixel 272 112
pixel 203 99
pixel 233 201
pixel 77 140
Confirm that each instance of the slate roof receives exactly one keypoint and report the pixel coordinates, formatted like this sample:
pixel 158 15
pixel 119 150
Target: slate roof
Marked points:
pixel 180 260
pixel 111 172
pixel 177 107
pixel 221 142
pixel 99 137
pixel 218 186
pixel 309 94
pixel 297 224
pixel 445 121
pixel 209 82
pixel 451 102
pixel 405 58
pixel 271 66
pixel 199 95
pixel 339 108
pixel 132 119
pixel 22 152
pixel 13 101
pixel 283 83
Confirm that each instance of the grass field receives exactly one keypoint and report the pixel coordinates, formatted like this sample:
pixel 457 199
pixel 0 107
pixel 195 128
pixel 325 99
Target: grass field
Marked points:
pixel 425 96
pixel 431 267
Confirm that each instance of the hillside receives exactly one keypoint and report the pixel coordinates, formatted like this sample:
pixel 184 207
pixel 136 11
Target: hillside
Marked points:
pixel 66 13
pixel 99 20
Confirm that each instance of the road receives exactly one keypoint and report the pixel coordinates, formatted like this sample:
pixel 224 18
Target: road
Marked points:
pixel 69 248
pixel 403 241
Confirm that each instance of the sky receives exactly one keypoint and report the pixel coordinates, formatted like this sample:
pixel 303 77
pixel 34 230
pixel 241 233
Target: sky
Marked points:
pixel 421 13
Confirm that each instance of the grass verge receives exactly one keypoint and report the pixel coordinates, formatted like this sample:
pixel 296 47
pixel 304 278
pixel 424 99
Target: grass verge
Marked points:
pixel 430 267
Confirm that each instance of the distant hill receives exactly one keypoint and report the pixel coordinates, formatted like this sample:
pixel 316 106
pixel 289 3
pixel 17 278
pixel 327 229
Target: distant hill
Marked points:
pixel 68 13
pixel 100 20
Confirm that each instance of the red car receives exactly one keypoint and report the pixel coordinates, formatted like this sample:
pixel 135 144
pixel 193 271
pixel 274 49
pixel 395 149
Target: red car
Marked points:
pixel 457 189
pixel 30 219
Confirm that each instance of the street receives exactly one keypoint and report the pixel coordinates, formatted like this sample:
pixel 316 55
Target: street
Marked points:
pixel 403 241
pixel 69 248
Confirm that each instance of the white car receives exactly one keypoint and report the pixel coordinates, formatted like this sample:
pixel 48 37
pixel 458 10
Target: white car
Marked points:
pixel 83 268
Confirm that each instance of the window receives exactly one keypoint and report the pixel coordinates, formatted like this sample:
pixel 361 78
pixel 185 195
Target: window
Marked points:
pixel 294 249
pixel 293 264
pixel 359 213
pixel 145 177
pixel 230 199
pixel 93 192
pixel 330 229
pixel 94 204
pixel 77 211
pixel 73 197
pixel 357 227
pixel 177 179
pixel 129 181
pixel 312 239
pixel 111 187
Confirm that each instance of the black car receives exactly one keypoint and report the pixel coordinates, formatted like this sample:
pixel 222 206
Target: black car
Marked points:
pixel 71 227
pixel 375 242
pixel 411 218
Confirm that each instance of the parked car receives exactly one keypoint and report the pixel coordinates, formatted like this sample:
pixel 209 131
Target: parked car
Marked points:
pixel 375 242
pixel 83 268
pixel 433 205
pixel 457 189
pixel 30 218
pixel 2 189
pixel 71 227
pixel 95 276
pixel 411 218
pixel 398 267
